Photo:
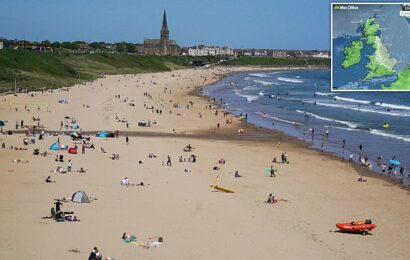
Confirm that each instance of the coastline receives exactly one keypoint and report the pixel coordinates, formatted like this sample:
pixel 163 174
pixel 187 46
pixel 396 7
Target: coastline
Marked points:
pixel 194 221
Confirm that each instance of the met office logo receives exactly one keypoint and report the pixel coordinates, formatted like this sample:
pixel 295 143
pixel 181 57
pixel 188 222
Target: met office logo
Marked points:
pixel 345 7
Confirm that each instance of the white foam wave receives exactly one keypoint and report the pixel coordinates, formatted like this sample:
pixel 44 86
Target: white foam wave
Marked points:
pixel 249 98
pixel 291 80
pixel 352 100
pixel 393 106
pixel 264 115
pixel 349 124
pixel 265 83
pixel 355 108
pixel 251 88
pixel 324 94
pixel 261 93
pixel 259 75
pixel 384 134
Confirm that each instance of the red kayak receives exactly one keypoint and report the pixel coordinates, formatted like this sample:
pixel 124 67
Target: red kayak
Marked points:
pixel 356 226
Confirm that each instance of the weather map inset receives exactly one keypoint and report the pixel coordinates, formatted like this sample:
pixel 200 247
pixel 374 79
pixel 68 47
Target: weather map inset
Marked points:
pixel 370 46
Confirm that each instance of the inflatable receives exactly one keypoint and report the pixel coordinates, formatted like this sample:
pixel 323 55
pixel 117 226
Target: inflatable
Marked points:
pixel 386 125
pixel 72 150
pixel 362 227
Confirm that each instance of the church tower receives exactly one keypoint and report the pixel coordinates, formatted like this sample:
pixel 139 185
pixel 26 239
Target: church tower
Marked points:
pixel 164 36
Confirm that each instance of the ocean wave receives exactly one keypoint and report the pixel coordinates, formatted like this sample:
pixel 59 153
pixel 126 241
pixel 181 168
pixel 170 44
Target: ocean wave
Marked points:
pixel 349 124
pixel 291 80
pixel 252 87
pixel 324 94
pixel 352 100
pixel 265 83
pixel 384 134
pixel 355 108
pixel 249 98
pixel 260 75
pixel 393 106
pixel 264 115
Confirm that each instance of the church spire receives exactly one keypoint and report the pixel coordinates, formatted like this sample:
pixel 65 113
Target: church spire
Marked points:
pixel 164 22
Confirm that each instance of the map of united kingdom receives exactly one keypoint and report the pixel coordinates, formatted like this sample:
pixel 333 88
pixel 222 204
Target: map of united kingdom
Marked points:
pixel 370 47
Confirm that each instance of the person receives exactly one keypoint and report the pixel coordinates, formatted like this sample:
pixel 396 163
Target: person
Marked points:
pixel 351 157
pixel 360 147
pixel 48 179
pixel 361 179
pixel 169 161
pixel 95 254
pixel 237 174
pixel 81 170
pixel 58 204
pixel 83 148
pixel 69 166
pixel 272 171
pixel 126 139
pixel 327 134
pixel 269 199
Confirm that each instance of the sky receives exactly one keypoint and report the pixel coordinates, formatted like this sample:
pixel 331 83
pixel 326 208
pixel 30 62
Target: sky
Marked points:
pixel 275 24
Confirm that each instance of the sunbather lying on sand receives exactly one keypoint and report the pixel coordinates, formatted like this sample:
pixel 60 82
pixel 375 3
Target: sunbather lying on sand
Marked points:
pixel 82 170
pixel 48 180
pixel 129 238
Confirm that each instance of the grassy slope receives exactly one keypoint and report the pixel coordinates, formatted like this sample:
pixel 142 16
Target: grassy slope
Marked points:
pixel 37 70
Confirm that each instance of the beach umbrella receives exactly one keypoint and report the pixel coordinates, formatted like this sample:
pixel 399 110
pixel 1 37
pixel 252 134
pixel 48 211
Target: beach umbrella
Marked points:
pixel 394 162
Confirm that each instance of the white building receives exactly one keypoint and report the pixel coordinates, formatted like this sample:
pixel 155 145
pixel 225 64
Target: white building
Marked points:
pixel 321 55
pixel 210 51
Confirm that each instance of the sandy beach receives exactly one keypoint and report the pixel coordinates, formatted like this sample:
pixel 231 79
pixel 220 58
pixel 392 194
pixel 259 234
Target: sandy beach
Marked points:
pixel 315 190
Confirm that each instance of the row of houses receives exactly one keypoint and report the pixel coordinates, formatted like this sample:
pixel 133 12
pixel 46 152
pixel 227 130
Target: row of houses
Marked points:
pixel 202 50
pixel 282 54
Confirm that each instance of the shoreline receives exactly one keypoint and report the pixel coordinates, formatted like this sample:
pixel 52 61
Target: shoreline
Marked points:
pixel 367 172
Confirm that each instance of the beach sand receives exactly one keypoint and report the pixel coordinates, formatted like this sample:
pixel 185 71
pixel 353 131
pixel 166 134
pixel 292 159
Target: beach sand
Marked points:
pixel 315 190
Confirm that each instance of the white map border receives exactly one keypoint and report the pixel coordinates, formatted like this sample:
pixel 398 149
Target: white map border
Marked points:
pixel 331 45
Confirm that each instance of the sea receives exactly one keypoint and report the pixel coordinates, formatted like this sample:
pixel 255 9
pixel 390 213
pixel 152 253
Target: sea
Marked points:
pixel 299 103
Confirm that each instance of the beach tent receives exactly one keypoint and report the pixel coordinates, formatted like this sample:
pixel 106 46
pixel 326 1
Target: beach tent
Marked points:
pixel 394 162
pixel 54 146
pixel 80 197
pixel 102 134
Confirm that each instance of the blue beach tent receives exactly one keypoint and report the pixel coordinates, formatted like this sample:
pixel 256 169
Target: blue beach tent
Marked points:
pixel 102 134
pixel 394 162
pixel 54 146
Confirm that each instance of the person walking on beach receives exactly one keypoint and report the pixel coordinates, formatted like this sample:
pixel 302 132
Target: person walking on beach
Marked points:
pixel 69 166
pixel 83 148
pixel 169 161
pixel 351 157
pixel 327 134
pixel 272 171
pixel 126 139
